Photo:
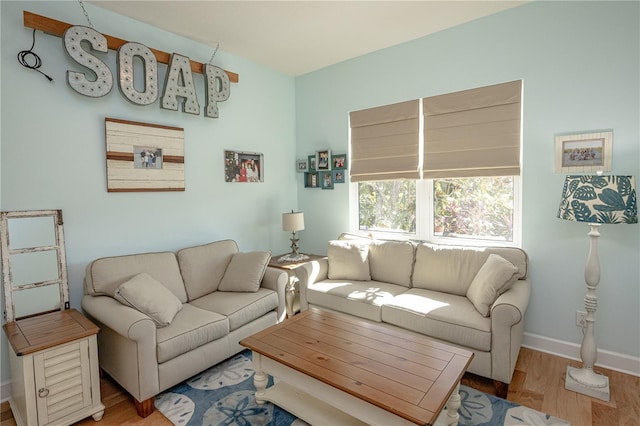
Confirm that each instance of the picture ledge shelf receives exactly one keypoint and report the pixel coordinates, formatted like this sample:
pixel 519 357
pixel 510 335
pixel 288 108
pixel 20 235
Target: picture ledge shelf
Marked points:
pixel 57 28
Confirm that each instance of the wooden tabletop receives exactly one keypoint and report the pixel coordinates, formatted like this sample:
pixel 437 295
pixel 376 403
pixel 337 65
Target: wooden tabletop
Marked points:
pixel 407 374
pixel 40 332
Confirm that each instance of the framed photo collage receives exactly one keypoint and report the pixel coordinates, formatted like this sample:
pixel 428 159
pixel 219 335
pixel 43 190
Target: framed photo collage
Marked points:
pixel 322 169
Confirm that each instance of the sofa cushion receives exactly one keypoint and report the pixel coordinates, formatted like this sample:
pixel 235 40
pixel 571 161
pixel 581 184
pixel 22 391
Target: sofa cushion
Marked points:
pixel 105 275
pixel 494 278
pixel 359 298
pixel 447 269
pixel 245 272
pixel 240 308
pixel 447 317
pixel 348 260
pixel 391 261
pixel 145 294
pixel 451 269
pixel 515 255
pixel 191 328
pixel 204 266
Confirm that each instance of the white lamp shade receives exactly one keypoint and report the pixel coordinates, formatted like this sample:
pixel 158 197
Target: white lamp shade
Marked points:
pixel 293 222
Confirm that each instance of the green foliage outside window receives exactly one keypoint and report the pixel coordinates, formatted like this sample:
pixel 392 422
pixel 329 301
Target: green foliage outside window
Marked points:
pixel 474 207
pixel 387 206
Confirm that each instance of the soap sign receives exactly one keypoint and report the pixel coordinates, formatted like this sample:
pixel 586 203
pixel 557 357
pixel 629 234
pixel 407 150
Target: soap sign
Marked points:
pixel 178 85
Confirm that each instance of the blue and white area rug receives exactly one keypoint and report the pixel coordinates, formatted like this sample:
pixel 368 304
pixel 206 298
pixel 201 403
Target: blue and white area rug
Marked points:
pixel 224 395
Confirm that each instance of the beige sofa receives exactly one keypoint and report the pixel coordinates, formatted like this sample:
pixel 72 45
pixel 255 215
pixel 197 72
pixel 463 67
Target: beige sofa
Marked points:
pixel 473 298
pixel 165 317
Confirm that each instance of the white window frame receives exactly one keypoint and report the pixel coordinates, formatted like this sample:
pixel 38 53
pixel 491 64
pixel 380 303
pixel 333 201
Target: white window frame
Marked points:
pixel 424 213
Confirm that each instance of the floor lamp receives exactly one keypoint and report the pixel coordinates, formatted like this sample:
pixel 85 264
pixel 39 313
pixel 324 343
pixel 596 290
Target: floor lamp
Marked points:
pixel 596 200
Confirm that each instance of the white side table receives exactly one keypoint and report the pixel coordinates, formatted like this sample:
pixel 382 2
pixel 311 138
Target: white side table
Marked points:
pixel 54 369
pixel 290 267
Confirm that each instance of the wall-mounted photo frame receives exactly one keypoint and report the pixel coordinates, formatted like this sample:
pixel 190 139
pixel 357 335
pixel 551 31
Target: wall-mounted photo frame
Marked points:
pixel 243 166
pixel 323 160
pixel 583 152
pixel 143 157
pixel 302 165
pixel 311 180
pixel 339 161
pixel 326 180
pixel 338 175
pixel 312 163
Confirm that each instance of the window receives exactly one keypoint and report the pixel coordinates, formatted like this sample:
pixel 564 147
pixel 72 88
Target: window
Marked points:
pixel 465 186
pixel 474 208
pixel 466 211
pixel 387 206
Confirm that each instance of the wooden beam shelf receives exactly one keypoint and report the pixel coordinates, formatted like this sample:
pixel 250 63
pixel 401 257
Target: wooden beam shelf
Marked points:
pixel 57 28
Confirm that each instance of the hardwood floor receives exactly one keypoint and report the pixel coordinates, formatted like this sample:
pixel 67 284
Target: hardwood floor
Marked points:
pixel 538 383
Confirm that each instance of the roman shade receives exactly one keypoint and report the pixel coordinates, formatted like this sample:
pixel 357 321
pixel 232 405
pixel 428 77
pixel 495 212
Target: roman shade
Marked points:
pixel 474 132
pixel 385 142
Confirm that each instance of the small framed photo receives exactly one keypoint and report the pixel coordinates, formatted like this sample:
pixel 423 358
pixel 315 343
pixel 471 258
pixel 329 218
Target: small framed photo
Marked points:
pixel 338 176
pixel 311 180
pixel 339 161
pixel 147 157
pixel 323 160
pixel 326 180
pixel 243 166
pixel 312 163
pixel 302 165
pixel 583 152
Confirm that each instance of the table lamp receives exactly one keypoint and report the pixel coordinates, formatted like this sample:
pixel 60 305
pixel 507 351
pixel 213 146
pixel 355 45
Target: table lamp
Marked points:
pixel 595 199
pixel 293 222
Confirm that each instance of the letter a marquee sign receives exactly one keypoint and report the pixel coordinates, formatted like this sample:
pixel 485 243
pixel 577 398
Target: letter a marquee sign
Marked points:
pixel 178 85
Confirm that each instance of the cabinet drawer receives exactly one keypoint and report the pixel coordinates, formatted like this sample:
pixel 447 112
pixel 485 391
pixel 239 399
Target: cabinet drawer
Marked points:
pixel 63 382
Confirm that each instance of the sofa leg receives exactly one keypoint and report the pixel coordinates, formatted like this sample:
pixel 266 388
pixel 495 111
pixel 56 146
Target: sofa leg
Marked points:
pixel 502 389
pixel 144 408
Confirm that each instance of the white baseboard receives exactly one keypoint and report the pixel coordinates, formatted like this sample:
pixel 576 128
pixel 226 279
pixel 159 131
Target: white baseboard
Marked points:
pixel 5 390
pixel 606 359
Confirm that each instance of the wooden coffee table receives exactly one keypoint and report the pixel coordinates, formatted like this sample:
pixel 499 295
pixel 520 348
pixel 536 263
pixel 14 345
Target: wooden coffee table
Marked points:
pixel 338 369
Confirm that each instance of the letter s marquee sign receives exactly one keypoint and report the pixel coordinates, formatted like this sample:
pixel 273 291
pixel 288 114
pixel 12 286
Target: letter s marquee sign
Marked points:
pixel 178 81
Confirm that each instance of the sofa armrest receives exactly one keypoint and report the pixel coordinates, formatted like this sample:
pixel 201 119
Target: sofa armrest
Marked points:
pixel 507 329
pixel 276 280
pixel 127 342
pixel 308 274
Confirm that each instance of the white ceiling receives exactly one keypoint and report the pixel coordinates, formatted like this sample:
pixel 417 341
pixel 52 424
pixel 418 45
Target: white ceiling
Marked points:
pixel 297 37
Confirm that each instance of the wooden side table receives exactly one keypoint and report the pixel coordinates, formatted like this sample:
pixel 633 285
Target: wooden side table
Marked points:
pixel 54 369
pixel 290 267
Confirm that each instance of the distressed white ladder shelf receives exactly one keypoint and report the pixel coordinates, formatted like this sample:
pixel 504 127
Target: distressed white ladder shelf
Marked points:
pixel 7 252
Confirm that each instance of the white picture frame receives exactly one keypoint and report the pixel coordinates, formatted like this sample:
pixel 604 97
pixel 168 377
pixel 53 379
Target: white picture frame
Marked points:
pixel 323 160
pixel 302 165
pixel 583 152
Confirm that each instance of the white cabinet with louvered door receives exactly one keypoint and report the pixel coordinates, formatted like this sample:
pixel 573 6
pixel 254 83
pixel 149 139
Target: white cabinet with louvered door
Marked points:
pixel 63 382
pixel 54 369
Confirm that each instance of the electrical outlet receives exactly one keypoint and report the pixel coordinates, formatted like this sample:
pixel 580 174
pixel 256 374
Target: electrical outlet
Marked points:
pixel 581 319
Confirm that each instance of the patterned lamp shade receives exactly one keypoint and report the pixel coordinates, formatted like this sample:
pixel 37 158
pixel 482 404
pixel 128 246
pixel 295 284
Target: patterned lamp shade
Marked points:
pixel 599 199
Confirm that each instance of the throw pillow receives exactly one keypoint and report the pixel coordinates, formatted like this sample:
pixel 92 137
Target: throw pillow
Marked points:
pixel 348 260
pixel 495 277
pixel 145 294
pixel 245 272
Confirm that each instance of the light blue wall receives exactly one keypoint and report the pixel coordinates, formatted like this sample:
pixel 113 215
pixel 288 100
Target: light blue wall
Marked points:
pixel 53 149
pixel 580 66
